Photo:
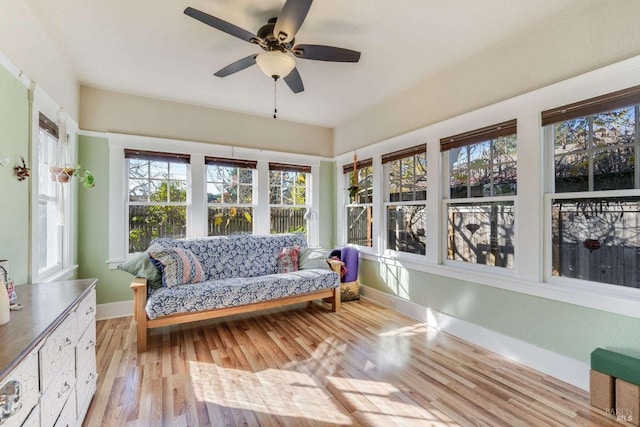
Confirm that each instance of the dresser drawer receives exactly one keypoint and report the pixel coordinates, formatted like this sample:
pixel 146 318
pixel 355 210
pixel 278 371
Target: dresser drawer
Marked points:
pixel 23 381
pixel 86 372
pixel 67 417
pixel 54 398
pixel 33 420
pixel 58 349
pixel 86 311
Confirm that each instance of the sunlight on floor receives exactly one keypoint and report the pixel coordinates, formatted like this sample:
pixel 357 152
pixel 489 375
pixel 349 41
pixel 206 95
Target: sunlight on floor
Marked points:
pixel 275 392
pixel 378 403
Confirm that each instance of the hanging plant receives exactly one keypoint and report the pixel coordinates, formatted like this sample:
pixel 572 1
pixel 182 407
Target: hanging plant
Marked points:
pixel 84 176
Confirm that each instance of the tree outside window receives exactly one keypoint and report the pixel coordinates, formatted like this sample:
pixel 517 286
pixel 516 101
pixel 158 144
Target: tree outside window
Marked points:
pixel 157 203
pixel 594 233
pixel 482 165
pixel 288 197
pixel 407 194
pixel 359 209
pixel 230 196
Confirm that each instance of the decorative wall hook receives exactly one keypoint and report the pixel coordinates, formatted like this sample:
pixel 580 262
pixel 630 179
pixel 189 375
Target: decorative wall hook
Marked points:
pixel 22 172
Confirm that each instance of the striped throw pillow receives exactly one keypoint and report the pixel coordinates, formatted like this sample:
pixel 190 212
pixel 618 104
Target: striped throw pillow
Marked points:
pixel 178 266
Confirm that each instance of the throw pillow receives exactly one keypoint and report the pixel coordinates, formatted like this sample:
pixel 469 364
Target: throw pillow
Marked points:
pixel 288 259
pixel 141 266
pixel 178 266
pixel 313 258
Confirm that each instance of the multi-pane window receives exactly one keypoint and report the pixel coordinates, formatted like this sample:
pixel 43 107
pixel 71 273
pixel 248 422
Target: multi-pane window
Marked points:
pixel 288 197
pixel 358 179
pixel 595 147
pixel 230 187
pixel 52 201
pixel 157 202
pixel 482 165
pixel 406 172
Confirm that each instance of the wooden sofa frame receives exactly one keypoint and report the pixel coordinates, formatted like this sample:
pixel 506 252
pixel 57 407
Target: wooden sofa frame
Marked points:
pixel 139 288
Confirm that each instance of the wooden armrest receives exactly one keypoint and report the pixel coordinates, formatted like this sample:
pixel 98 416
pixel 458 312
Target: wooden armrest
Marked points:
pixel 138 282
pixel 335 265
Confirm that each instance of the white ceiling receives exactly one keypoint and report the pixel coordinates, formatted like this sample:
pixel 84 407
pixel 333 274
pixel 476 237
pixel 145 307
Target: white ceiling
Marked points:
pixel 150 48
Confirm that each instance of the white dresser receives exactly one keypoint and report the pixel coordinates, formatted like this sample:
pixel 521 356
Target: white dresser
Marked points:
pixel 47 355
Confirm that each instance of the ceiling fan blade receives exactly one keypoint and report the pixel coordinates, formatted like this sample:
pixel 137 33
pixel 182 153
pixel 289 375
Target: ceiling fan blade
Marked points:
pixel 294 81
pixel 239 65
pixel 325 53
pixel 219 24
pixel 290 19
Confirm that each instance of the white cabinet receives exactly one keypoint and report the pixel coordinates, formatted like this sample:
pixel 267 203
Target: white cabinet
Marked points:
pixel 53 384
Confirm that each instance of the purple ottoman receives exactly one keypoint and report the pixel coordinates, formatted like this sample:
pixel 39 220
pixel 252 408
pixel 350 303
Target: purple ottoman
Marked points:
pixel 349 288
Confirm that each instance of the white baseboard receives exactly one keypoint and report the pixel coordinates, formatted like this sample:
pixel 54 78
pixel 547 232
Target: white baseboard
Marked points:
pixel 562 367
pixel 113 310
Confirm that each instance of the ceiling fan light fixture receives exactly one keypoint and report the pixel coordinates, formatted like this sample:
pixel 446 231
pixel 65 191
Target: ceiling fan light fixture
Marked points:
pixel 276 64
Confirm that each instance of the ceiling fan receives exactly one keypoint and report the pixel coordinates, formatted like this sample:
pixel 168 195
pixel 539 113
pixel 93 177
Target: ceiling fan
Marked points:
pixel 277 39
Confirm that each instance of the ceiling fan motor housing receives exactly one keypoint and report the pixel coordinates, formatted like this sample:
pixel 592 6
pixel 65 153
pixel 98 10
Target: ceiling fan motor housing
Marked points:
pixel 272 43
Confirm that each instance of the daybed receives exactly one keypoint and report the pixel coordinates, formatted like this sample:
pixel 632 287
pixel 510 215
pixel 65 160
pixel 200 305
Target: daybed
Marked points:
pixel 226 275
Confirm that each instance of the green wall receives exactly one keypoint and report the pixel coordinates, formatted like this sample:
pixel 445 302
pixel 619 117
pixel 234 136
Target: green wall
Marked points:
pixel 327 209
pixel 14 142
pixel 567 329
pixel 93 220
pixel 93 224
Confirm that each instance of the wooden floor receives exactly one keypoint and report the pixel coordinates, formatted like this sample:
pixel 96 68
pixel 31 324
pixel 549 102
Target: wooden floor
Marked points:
pixel 363 366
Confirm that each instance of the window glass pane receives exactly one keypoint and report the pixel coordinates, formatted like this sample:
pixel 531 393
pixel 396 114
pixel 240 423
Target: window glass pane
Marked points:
pixel 481 233
pixel 458 179
pixel 246 176
pixel 360 225
pixel 406 228
pixel 614 127
pixel 275 195
pixel 571 135
pixel 178 171
pixel 246 194
pixel 572 172
pixel 224 221
pixel 150 222
pixel 479 183
pixel 614 169
pixel 597 240
pixel 138 168
pixel 159 191
pixel 505 149
pixel 504 179
pixel 138 190
pixel 177 191
pixel 49 235
pixel 158 169
pixel 214 192
pixel 288 220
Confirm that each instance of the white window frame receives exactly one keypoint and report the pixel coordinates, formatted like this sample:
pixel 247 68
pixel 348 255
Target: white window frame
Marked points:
pixel 42 103
pixel 129 203
pixel 550 195
pixel 448 201
pixel 387 203
pixel 252 205
pixel 375 183
pixel 308 191
pixel 197 204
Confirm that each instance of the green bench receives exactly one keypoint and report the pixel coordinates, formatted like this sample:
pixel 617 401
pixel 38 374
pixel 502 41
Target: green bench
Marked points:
pixel 614 384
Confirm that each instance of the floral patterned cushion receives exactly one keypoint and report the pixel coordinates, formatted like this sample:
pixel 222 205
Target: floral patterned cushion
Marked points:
pixel 288 259
pixel 237 291
pixel 225 257
pixel 178 266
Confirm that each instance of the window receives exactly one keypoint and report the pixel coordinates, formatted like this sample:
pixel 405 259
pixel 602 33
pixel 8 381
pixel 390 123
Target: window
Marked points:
pixel 52 203
pixel 482 165
pixel 406 172
pixel 595 147
pixel 288 197
pixel 230 185
pixel 157 202
pixel 358 179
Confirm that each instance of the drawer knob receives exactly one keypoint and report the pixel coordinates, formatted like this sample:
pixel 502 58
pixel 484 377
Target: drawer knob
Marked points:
pixel 91 377
pixel 91 344
pixel 91 310
pixel 9 400
pixel 65 389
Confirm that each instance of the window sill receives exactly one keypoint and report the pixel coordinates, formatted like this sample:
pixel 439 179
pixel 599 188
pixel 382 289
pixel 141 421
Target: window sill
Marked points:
pixel 596 296
pixel 64 274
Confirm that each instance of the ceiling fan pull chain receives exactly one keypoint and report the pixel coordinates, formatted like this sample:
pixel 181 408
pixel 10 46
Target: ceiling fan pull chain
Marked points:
pixel 275 103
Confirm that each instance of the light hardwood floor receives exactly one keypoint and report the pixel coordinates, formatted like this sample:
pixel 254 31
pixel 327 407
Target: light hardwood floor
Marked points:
pixel 365 365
